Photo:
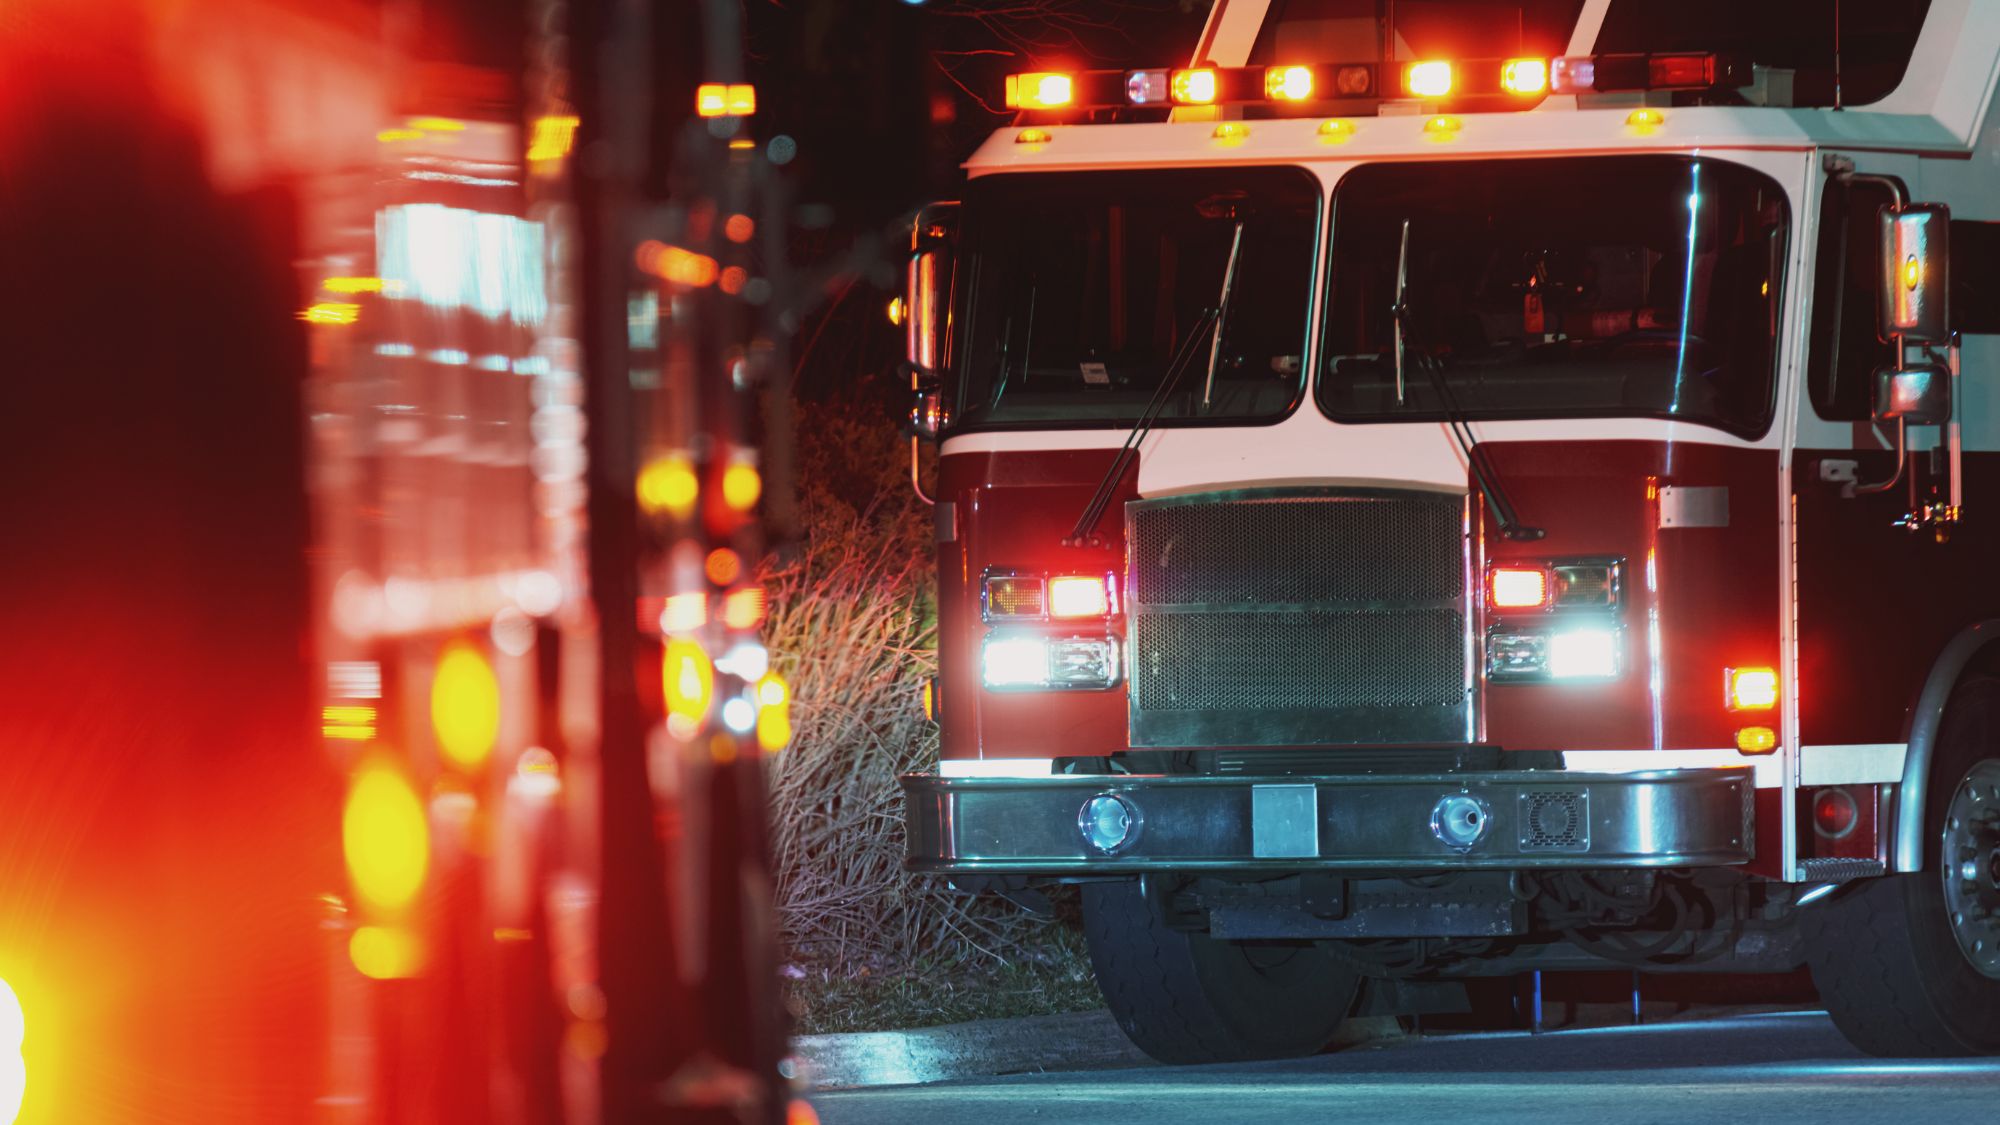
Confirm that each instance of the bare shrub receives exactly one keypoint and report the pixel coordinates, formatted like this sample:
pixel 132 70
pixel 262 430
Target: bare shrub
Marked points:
pixel 853 627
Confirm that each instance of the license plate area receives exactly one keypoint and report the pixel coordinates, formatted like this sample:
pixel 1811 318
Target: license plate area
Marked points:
pixel 1284 821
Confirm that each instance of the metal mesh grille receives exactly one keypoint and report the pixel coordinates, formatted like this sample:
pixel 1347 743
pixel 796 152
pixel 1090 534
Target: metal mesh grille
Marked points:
pixel 1258 660
pixel 1291 551
pixel 1555 820
pixel 1288 619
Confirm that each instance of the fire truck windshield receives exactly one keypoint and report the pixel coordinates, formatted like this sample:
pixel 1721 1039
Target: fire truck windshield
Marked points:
pixel 1584 287
pixel 1075 290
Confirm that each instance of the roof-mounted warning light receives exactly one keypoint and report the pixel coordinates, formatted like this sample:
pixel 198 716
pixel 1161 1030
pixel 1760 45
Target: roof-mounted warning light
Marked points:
pixel 1675 71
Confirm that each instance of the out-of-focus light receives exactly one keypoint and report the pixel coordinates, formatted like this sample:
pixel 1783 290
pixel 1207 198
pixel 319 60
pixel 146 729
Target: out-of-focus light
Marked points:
pixel 668 484
pixel 1014 661
pixel 1231 131
pixel 733 279
pixel 551 138
pixel 1032 137
pixel 391 136
pixel 1431 79
pixel 348 723
pixel 1442 127
pixel 385 952
pixel 465 705
pixel 746 660
pixel 743 609
pixel 1040 90
pixel 1583 654
pixel 801 1112
pixel 352 285
pixel 1524 76
pixel 13 1068
pixel 1193 87
pixel 1644 121
pixel 436 124
pixel 714 99
pixel 537 773
pixel 690 681
pixel 671 263
pixel 1517 588
pixel 684 613
pixel 1335 130
pixel 739 228
pixel 723 566
pixel 896 311
pixel 1751 689
pixel 1756 740
pixel 741 486
pixel 1079 596
pixel 331 312
pixel 739 714
pixel 1288 83
pixel 774 713
pixel 385 838
pixel 742 144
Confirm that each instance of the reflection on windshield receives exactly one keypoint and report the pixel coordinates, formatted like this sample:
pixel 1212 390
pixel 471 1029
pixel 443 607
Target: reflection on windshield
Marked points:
pixel 1075 291
pixel 1643 286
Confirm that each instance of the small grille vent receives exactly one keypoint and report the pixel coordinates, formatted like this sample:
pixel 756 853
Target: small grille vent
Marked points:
pixel 1555 820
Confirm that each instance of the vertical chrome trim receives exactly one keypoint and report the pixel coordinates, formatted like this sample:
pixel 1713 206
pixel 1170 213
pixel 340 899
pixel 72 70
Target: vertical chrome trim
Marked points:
pixel 1475 714
pixel 1791 400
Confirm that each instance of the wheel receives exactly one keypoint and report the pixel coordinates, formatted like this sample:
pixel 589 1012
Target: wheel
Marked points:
pixel 1190 998
pixel 1909 965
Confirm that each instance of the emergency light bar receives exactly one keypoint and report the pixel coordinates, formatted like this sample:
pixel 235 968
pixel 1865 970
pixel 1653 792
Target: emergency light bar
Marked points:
pixel 1519 79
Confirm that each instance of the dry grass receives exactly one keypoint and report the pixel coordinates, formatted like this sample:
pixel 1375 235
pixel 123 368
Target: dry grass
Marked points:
pixel 853 627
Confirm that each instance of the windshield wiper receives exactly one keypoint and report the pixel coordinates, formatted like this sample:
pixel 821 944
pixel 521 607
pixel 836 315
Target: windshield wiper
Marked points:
pixel 1084 534
pixel 1222 313
pixel 1483 473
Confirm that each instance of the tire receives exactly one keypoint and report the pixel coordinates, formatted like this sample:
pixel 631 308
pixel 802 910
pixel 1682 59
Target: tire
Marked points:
pixel 1188 998
pixel 1884 954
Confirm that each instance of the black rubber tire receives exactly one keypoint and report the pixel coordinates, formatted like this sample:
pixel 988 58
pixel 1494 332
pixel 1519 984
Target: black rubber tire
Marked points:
pixel 1188 998
pixel 1882 953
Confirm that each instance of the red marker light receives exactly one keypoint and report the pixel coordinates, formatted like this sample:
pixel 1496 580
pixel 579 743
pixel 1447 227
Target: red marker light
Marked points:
pixel 1517 588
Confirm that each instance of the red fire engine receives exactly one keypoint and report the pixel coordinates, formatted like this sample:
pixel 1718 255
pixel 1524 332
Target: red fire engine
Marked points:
pixel 1408 514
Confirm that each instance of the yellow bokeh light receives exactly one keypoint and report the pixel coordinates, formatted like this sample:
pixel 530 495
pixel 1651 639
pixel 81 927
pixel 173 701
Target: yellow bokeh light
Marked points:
pixel 465 705
pixel 437 124
pixel 385 952
pixel 669 485
pixel 741 486
pixel 690 680
pixel 331 312
pixel 552 137
pixel 385 838
pixel 352 285
pixel 774 713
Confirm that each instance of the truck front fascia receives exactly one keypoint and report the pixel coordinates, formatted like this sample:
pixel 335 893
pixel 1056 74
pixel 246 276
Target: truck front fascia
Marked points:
pixel 1518 819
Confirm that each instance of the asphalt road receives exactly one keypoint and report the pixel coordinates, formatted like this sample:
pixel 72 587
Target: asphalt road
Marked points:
pixel 1769 1069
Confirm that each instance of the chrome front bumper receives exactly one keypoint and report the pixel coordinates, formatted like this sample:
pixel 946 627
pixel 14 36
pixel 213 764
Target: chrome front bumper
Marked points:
pixel 1533 819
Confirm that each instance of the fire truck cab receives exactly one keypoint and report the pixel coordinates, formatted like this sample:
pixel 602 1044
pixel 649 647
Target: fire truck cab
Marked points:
pixel 1409 515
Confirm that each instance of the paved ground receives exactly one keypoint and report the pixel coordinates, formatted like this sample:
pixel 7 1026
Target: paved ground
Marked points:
pixel 1769 1069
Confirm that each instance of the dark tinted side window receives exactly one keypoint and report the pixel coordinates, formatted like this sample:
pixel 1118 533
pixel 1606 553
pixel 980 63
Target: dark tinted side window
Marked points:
pixel 1975 277
pixel 1845 351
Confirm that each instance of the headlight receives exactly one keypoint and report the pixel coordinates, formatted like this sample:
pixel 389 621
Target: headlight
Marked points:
pixel 1014 661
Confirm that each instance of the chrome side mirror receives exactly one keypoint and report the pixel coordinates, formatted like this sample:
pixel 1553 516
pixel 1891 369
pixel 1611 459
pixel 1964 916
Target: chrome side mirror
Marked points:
pixel 1916 261
pixel 927 417
pixel 1919 395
